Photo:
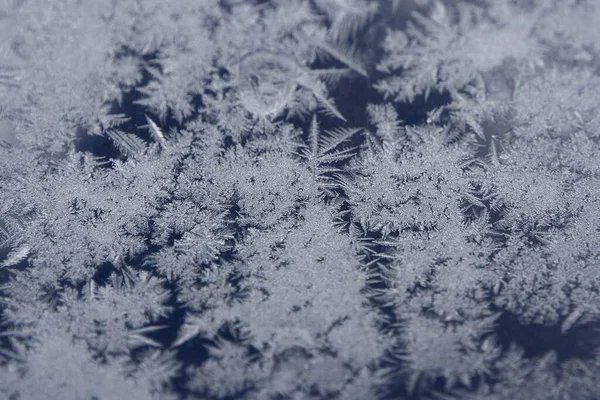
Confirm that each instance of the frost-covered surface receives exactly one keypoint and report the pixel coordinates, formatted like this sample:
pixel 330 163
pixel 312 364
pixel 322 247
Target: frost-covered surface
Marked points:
pixel 294 199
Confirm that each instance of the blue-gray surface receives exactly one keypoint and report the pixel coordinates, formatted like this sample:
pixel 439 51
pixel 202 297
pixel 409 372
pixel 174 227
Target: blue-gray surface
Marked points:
pixel 299 199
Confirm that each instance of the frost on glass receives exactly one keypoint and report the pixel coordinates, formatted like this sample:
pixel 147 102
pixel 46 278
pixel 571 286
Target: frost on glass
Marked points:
pixel 294 199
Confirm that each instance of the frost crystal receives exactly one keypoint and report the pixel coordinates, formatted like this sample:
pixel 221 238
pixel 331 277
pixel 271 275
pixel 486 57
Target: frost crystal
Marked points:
pixel 299 199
